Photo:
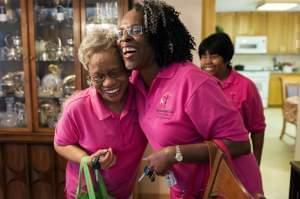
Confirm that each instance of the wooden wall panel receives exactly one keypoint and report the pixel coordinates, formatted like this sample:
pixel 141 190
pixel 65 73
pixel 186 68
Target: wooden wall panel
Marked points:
pixel 31 171
pixel 42 176
pixel 1 173
pixel 60 176
pixel 16 171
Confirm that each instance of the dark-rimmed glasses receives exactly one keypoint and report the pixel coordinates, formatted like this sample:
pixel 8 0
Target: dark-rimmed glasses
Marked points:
pixel 98 79
pixel 131 31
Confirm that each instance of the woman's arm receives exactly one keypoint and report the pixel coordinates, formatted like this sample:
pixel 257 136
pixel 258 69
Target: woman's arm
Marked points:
pixel 163 159
pixel 75 153
pixel 258 143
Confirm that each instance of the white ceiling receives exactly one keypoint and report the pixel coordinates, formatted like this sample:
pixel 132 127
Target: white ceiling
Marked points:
pixel 241 5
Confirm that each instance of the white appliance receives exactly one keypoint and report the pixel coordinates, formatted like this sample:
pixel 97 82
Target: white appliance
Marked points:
pixel 250 44
pixel 261 80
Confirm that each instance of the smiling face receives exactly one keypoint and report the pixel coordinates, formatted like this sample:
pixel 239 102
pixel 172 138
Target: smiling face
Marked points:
pixel 214 64
pixel 109 76
pixel 136 50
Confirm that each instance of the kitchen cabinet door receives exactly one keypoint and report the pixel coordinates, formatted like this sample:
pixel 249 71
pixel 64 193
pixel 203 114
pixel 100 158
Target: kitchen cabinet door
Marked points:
pixel 277 32
pixel 293 27
pixel 250 23
pixel 243 23
pixel 227 22
pixel 258 25
pixel 275 91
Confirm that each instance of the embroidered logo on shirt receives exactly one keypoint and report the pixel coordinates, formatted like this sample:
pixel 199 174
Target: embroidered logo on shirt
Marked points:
pixel 164 100
pixel 163 110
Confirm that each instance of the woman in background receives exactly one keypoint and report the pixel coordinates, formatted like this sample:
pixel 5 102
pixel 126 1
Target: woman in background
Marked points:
pixel 179 105
pixel 102 120
pixel 215 54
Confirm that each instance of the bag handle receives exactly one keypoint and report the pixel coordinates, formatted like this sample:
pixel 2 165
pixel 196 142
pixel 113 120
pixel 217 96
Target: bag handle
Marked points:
pixel 86 172
pixel 84 169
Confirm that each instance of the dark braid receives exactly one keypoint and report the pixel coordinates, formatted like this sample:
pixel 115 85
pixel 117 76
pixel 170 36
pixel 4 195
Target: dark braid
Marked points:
pixel 166 33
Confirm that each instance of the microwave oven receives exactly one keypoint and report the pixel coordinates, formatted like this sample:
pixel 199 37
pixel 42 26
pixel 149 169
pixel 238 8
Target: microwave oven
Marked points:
pixel 250 44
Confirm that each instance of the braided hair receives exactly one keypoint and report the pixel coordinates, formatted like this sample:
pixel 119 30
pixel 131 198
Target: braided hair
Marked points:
pixel 166 33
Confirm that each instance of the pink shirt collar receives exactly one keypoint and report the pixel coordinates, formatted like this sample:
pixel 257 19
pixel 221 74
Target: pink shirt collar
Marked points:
pixel 231 79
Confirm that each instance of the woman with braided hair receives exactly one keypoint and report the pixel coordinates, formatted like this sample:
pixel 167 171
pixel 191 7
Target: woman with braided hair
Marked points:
pixel 180 106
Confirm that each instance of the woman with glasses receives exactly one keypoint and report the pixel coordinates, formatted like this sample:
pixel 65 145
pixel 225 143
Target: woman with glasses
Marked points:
pixel 215 54
pixel 101 121
pixel 179 105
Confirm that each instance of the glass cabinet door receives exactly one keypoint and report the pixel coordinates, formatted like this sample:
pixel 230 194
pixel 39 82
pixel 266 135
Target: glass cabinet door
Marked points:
pixel 53 59
pixel 101 14
pixel 14 70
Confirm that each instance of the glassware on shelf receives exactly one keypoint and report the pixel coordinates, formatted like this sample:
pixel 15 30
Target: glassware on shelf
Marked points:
pixel 69 85
pixel 13 84
pixel 50 52
pixel 3 14
pixel 8 84
pixel 105 16
pixel 19 83
pixel 11 16
pixel 60 55
pixel 9 118
pixel 97 18
pixel 14 46
pixel 49 111
pixel 3 53
pixel 51 83
pixel 42 14
pixel 69 50
pixel 40 47
pixel 21 117
pixel 60 13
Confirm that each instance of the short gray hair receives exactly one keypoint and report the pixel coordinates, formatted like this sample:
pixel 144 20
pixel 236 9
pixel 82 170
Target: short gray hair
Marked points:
pixel 94 42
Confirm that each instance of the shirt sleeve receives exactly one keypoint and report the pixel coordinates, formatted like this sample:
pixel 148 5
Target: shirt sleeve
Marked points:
pixel 213 116
pixel 253 111
pixel 66 132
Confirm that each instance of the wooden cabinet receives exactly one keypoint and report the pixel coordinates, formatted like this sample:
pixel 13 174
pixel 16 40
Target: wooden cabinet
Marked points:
pixel 243 23
pixel 39 69
pixel 277 32
pixel 208 20
pixel 226 20
pixel 282 28
pixel 275 89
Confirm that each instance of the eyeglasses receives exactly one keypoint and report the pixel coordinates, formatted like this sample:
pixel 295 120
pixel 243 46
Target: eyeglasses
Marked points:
pixel 98 79
pixel 131 31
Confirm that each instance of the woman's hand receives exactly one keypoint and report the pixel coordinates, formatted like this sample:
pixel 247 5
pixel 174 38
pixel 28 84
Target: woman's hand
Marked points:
pixel 107 158
pixel 161 161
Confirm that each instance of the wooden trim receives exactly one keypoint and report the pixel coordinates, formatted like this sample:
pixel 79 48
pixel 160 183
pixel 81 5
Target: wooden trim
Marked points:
pixel 26 68
pixel 208 17
pixel 77 38
pixel 32 59
pixel 2 176
pixel 83 73
pixel 38 138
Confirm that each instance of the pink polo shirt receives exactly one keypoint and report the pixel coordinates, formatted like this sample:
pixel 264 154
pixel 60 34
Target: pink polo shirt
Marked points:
pixel 243 93
pixel 87 123
pixel 185 105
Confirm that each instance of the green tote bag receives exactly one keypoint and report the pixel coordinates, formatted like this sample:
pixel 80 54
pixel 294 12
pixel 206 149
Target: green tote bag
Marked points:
pixel 90 194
